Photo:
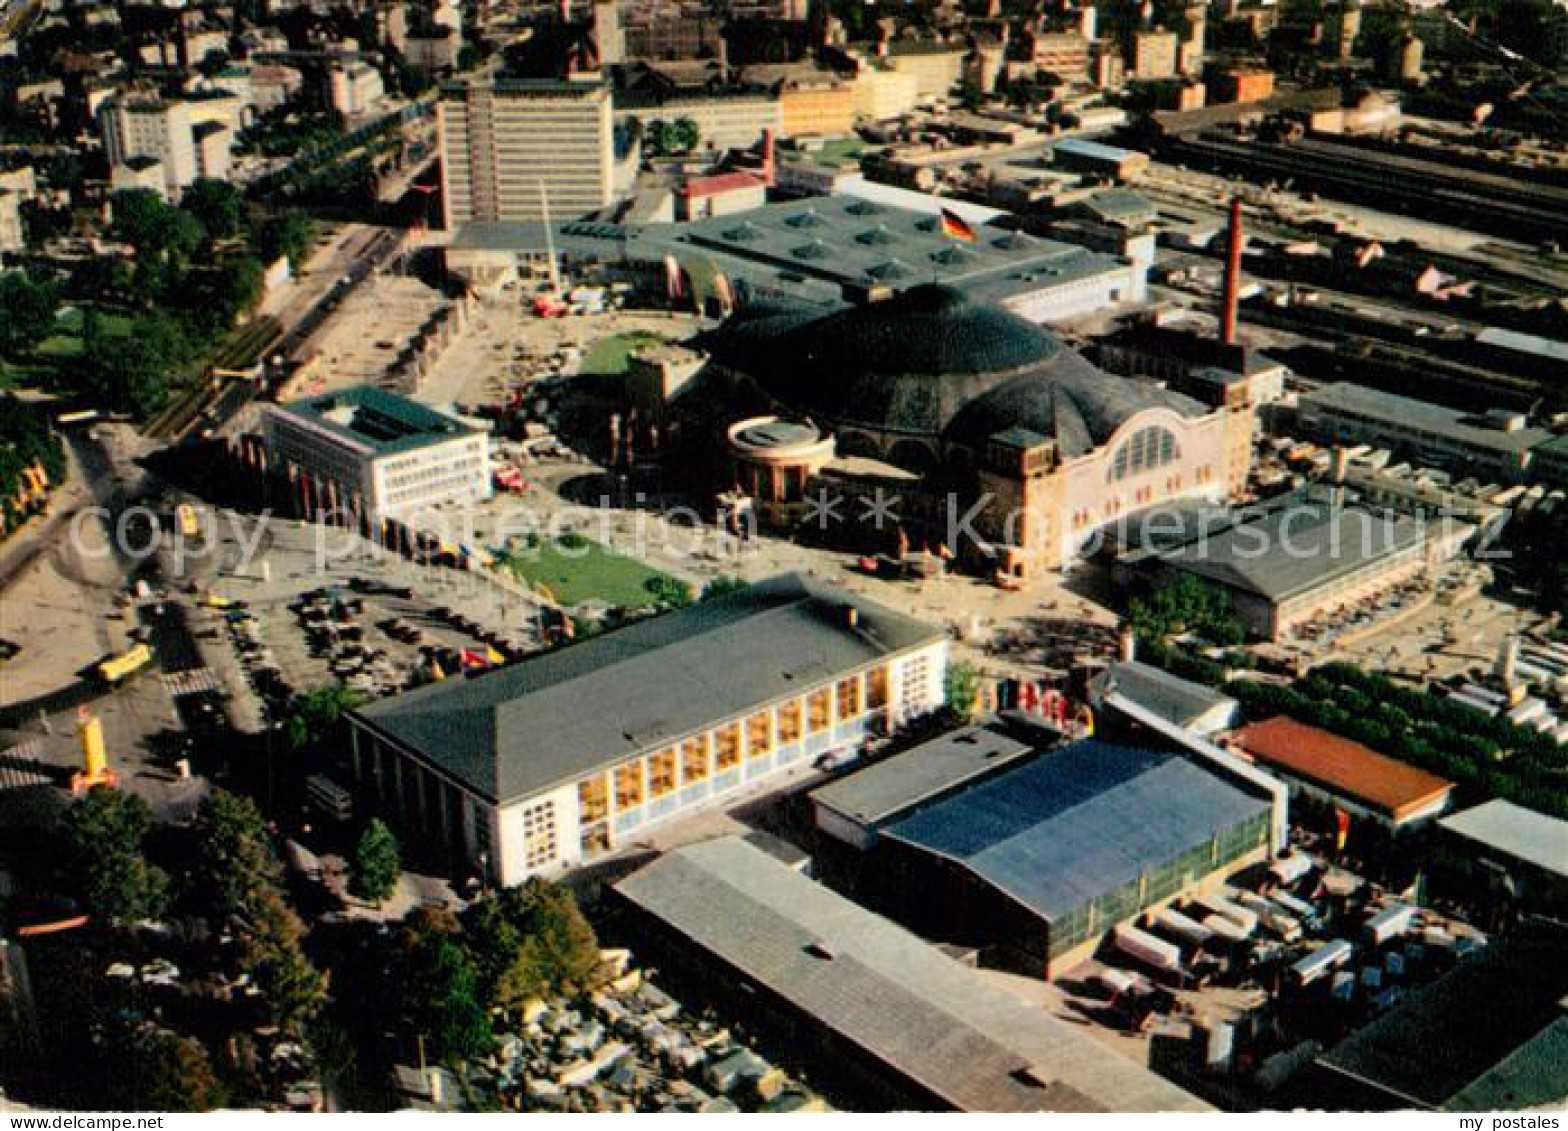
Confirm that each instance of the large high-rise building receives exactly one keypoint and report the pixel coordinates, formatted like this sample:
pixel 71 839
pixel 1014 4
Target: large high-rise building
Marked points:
pixel 508 143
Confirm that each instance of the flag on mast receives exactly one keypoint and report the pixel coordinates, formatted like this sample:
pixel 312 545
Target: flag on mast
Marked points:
pixel 955 227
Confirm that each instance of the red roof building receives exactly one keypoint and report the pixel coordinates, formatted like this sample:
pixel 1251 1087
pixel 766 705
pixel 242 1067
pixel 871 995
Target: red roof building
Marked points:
pixel 721 194
pixel 1348 774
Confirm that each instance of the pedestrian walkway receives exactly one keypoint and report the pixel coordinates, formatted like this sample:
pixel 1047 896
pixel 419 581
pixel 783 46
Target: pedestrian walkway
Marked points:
pixel 22 766
pixel 191 682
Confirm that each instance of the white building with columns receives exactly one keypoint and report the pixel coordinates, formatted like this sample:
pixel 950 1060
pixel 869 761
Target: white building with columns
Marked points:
pixel 563 758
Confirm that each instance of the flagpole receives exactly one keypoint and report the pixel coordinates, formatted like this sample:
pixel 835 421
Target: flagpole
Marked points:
pixel 549 238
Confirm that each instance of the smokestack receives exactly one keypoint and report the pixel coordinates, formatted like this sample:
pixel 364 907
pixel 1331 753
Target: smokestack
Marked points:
pixel 1232 276
pixel 767 157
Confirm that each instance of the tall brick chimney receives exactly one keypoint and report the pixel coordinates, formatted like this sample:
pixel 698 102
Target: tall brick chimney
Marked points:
pixel 1232 276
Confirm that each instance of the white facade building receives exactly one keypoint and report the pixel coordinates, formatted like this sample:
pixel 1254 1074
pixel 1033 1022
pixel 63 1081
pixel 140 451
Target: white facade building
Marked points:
pixel 146 126
pixel 384 455
pixel 570 755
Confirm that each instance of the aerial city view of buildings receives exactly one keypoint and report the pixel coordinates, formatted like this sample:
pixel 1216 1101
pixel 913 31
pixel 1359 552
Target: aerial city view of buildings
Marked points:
pixel 784 555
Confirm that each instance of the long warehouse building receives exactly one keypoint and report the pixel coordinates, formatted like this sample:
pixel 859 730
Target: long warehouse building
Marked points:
pixel 987 837
pixel 892 1019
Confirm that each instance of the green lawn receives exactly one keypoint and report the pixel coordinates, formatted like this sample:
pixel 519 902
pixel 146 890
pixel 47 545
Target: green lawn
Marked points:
pixel 607 357
pixel 62 348
pixel 839 151
pixel 585 573
pixel 66 342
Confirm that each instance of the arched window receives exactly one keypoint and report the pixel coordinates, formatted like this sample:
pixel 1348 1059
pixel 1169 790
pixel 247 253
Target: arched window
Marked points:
pixel 1144 451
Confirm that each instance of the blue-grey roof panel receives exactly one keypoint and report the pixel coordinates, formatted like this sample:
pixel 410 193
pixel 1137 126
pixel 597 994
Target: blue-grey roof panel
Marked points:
pixel 1079 822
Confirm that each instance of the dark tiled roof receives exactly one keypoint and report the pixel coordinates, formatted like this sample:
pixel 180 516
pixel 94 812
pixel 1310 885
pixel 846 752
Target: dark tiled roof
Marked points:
pixel 1447 1045
pixel 1181 701
pixel 1296 548
pixel 931 771
pixel 931 360
pixel 552 719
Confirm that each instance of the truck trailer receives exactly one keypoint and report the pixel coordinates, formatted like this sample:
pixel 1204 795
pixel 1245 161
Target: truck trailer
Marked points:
pixel 1153 952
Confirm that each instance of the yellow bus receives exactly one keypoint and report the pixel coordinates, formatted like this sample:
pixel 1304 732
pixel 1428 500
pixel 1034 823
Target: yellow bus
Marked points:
pixel 185 521
pixel 127 663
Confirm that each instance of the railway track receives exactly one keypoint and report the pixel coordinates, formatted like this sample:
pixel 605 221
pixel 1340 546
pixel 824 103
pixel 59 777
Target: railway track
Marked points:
pixel 243 351
pixel 1479 201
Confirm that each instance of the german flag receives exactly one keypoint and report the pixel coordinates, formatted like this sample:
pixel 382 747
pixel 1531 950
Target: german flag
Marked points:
pixel 955 227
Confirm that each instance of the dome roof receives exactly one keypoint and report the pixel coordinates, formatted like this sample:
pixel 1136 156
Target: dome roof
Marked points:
pixel 934 330
pixel 1079 408
pixel 931 362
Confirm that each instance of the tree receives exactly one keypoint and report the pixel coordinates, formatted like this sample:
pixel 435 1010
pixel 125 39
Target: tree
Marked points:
pixel 232 856
pixel 684 135
pixel 506 975
pixel 164 238
pixel 659 137
pixel 27 310
pixel 271 938
pixel 528 942
pixel 236 878
pixel 440 993
pixel 137 217
pixel 232 289
pixel 170 1072
pixel 315 714
pixel 1184 604
pixel 131 371
pixel 562 942
pixel 667 592
pixel 723 586
pixel 374 871
pixel 288 235
pixel 104 832
pixel 217 206
pixel 961 689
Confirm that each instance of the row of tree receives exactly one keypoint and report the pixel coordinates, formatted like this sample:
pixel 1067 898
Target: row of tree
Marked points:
pixel 438 985
pixel 1185 605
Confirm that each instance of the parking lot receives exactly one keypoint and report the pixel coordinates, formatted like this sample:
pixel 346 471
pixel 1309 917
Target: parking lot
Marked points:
pixel 1441 640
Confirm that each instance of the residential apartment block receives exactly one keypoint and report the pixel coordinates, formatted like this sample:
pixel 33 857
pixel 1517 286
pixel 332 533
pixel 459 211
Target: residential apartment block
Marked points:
pixel 509 144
